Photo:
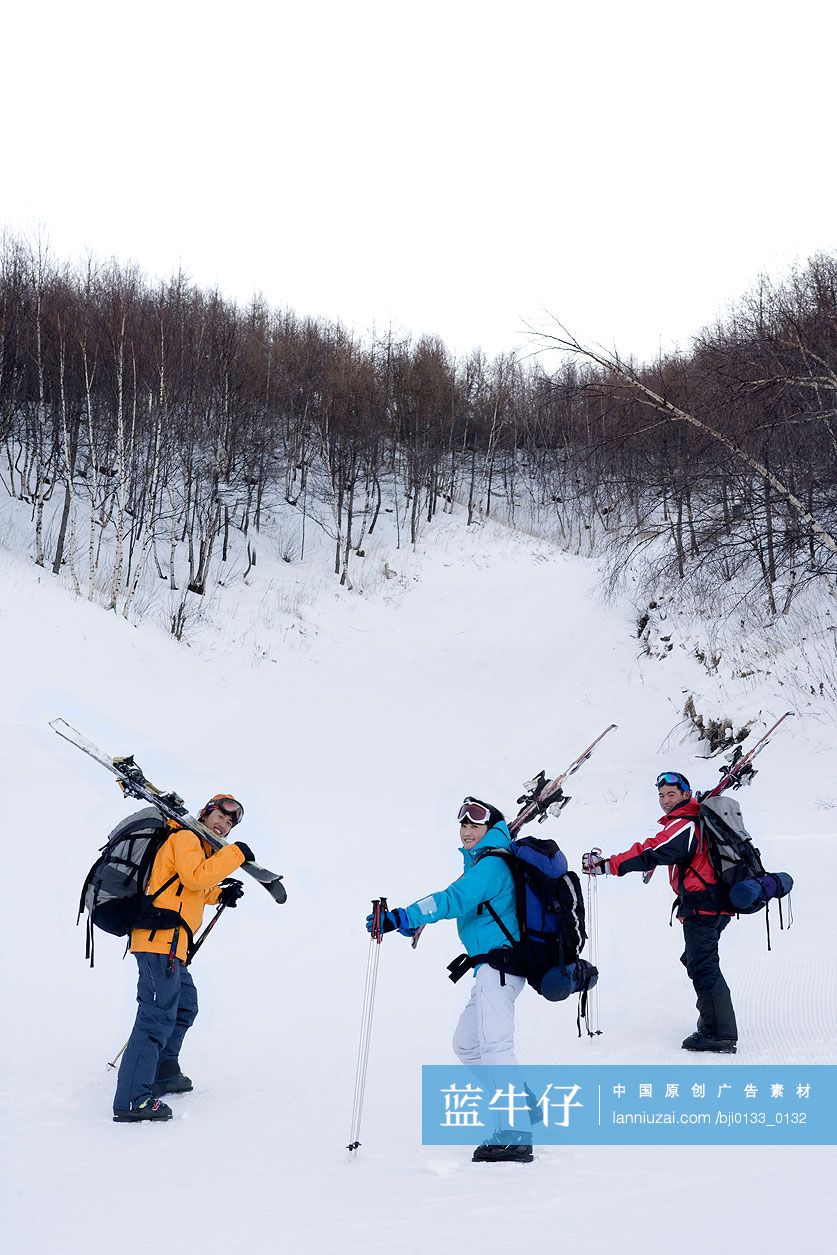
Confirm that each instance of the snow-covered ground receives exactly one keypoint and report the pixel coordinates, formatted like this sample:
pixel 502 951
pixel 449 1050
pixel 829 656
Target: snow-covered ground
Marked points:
pixel 352 726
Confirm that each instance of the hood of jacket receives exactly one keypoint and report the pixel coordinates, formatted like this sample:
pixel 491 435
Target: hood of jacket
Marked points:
pixel 497 837
pixel 477 929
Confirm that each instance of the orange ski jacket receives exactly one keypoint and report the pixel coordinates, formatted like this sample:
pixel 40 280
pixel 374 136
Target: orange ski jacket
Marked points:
pixel 199 872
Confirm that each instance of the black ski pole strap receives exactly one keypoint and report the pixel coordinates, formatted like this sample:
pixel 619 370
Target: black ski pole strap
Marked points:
pixel 767 922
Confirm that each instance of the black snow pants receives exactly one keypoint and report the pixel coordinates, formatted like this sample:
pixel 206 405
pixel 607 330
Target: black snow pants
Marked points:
pixel 716 1017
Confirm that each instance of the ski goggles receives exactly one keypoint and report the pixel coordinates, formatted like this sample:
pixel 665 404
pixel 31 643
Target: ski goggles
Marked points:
pixel 675 779
pixel 227 805
pixel 471 812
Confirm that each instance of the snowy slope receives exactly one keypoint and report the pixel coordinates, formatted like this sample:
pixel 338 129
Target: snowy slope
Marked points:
pixel 489 658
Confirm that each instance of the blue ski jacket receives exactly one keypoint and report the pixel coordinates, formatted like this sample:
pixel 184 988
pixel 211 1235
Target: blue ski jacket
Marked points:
pixel 483 880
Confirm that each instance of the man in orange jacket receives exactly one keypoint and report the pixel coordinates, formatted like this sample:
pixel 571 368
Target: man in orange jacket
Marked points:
pixel 186 876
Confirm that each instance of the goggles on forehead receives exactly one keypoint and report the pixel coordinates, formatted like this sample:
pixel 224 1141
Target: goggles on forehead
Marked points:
pixel 227 805
pixel 471 812
pixel 675 779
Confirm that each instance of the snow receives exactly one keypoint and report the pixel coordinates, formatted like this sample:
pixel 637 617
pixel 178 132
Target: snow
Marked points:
pixel 352 725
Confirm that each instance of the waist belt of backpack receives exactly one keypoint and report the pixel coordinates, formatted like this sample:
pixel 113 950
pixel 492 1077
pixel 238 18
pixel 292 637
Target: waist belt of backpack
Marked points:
pixel 464 962
pixel 697 901
pixel 181 923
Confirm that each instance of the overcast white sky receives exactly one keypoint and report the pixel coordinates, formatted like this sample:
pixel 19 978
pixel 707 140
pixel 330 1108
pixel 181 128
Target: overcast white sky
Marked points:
pixel 453 168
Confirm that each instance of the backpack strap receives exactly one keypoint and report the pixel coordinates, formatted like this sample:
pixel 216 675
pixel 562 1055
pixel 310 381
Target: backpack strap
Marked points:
pixel 167 885
pixel 501 925
pixel 581 1014
pixel 790 913
pixel 583 999
pixel 497 921
pixel 519 894
pixel 84 889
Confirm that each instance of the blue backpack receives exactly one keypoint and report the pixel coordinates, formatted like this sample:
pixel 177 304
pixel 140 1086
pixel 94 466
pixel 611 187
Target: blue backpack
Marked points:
pixel 551 919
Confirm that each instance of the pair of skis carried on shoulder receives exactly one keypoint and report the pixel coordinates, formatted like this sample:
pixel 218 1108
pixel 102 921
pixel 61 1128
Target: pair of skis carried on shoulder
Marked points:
pixel 133 783
pixel 739 770
pixel 542 797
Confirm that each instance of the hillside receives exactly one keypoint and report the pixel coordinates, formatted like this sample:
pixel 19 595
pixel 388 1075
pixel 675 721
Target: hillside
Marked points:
pixel 351 724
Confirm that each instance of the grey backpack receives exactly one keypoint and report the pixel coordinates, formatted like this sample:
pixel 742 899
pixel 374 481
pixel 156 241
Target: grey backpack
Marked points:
pixel 113 893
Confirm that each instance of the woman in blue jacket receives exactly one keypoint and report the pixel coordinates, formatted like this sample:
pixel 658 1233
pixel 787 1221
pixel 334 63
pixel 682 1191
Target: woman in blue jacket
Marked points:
pixel 485 1032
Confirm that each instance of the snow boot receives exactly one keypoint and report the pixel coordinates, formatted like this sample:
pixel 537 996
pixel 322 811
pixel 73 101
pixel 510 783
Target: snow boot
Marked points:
pixel 177 1084
pixel 506 1146
pixel 151 1109
pixel 169 1079
pixel 702 1041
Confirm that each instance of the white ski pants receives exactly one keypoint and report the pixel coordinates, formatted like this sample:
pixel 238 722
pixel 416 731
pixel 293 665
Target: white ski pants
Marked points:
pixel 485 1032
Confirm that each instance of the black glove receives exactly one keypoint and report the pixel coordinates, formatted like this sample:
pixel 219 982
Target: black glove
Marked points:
pixel 231 891
pixel 594 865
pixel 249 856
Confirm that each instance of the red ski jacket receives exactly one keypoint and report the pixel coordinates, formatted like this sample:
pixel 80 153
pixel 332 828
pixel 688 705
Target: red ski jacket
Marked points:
pixel 679 846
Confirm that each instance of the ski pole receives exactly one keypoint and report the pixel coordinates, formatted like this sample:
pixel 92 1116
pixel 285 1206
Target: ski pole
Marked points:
pixel 593 917
pixel 195 948
pixel 119 1055
pixel 379 905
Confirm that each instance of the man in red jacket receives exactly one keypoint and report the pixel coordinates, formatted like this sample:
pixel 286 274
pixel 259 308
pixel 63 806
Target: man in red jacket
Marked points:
pixel 680 846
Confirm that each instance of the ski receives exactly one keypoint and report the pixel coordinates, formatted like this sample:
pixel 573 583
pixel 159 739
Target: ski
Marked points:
pixel 543 797
pixel 738 769
pixel 134 783
pixel 736 772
